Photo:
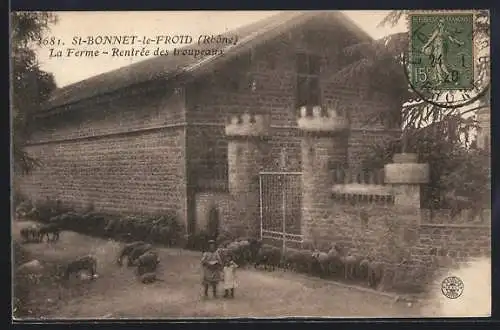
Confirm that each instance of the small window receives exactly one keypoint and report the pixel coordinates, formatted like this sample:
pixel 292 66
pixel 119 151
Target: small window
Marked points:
pixel 308 83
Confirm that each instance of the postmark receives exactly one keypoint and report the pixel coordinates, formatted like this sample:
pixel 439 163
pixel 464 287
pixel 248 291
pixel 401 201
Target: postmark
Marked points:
pixel 452 287
pixel 447 59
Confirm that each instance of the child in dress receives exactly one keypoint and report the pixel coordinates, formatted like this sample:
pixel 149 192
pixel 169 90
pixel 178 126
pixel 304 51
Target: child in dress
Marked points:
pixel 212 264
pixel 229 277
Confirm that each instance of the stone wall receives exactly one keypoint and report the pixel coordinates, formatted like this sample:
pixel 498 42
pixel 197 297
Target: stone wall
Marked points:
pixel 385 232
pixel 121 156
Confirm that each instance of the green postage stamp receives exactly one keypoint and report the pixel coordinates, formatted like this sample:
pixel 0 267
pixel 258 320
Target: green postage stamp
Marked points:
pixel 441 50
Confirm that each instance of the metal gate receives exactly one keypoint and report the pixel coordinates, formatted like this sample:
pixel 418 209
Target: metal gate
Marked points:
pixel 281 206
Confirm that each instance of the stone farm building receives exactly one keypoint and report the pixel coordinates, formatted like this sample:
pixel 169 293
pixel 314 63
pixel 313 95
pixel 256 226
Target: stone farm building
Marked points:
pixel 176 133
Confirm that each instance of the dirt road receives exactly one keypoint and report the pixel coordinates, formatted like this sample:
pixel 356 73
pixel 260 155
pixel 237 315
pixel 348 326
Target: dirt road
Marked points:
pixel 117 293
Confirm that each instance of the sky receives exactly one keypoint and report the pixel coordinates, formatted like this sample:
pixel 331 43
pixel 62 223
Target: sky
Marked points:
pixel 68 70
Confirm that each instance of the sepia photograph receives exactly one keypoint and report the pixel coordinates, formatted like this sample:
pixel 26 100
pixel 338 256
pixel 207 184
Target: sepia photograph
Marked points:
pixel 250 164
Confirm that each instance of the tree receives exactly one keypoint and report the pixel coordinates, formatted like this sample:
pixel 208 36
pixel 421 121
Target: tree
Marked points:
pixel 456 168
pixel 383 62
pixel 30 85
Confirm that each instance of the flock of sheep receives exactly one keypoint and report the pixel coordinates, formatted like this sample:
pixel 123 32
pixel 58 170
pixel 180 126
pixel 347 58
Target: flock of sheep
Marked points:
pixel 139 254
pixel 335 262
pixel 244 251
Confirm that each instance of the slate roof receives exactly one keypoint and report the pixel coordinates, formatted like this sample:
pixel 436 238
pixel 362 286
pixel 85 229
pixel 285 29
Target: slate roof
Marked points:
pixel 171 67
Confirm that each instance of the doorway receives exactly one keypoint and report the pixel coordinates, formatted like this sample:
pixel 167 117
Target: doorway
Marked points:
pixel 213 223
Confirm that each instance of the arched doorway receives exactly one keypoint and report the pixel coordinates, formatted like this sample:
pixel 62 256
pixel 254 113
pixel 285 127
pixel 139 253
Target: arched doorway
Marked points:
pixel 213 223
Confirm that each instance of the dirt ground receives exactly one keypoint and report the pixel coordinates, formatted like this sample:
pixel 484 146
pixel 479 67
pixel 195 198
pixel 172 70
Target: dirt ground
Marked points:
pixel 116 293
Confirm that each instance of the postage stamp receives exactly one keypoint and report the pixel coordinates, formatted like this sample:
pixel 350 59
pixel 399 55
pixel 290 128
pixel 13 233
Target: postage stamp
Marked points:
pixel 442 52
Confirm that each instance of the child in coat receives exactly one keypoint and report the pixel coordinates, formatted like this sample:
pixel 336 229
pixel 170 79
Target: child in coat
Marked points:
pixel 229 277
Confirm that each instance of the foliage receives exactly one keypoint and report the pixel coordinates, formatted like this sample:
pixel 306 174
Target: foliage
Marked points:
pixel 453 167
pixel 31 86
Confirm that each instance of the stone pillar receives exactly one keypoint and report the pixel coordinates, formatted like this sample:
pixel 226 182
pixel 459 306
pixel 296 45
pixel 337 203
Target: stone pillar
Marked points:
pixel 247 138
pixel 324 142
pixel 483 134
pixel 406 175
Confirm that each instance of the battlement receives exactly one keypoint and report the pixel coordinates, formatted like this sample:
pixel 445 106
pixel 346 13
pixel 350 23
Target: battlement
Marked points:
pixel 331 121
pixel 248 125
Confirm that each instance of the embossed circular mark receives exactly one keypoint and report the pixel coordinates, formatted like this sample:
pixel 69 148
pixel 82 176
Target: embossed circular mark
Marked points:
pixel 452 287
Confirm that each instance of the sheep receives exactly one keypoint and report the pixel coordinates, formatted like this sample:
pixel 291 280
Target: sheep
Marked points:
pixel 88 263
pixel 253 249
pixel 51 228
pixel 364 265
pixel 127 249
pixel 30 234
pixel 147 263
pixel 320 262
pixel 375 273
pixel 350 262
pixel 269 256
pixel 289 260
pixel 334 261
pixel 137 252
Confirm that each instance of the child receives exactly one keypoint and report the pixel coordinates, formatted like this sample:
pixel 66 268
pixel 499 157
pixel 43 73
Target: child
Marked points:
pixel 229 276
pixel 211 263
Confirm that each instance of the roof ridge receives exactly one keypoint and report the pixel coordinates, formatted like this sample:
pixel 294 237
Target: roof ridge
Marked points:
pixel 168 67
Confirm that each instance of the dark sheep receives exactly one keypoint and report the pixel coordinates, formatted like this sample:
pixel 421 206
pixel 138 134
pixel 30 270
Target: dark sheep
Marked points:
pixel 149 278
pixel 126 250
pixel 321 263
pixel 137 252
pixel 88 263
pixel 147 263
pixel 253 248
pixel 48 230
pixel 30 234
pixel 375 273
pixel 335 265
pixel 289 260
pixel 269 257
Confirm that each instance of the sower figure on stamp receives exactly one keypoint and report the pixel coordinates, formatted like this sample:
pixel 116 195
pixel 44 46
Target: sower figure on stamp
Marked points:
pixel 437 47
pixel 229 276
pixel 211 263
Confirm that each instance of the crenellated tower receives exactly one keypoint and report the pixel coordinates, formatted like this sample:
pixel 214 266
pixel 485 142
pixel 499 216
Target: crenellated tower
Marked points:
pixel 247 146
pixel 324 142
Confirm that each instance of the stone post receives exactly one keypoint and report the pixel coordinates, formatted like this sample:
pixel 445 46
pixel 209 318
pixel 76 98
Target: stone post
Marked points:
pixel 483 134
pixel 324 141
pixel 406 175
pixel 247 138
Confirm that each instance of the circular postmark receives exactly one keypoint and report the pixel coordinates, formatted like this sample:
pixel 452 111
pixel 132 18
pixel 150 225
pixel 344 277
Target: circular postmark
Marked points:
pixel 452 287
pixel 451 98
